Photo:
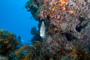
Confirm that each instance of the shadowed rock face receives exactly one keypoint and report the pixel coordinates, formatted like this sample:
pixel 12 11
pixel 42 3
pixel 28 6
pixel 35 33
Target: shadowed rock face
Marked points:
pixel 70 37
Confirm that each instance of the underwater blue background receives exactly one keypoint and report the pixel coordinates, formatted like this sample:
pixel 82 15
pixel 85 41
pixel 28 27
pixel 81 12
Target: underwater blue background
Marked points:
pixel 15 18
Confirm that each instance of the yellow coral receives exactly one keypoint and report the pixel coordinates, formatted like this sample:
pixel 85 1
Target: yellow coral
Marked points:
pixel 62 1
pixel 55 3
pixel 53 8
pixel 66 3
pixel 63 8
pixel 62 4
pixel 46 1
pixel 71 11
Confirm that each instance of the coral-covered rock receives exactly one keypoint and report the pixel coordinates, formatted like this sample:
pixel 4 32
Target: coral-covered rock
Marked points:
pixel 67 24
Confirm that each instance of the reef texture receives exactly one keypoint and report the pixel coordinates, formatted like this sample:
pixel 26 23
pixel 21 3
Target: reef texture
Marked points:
pixel 67 24
pixel 8 44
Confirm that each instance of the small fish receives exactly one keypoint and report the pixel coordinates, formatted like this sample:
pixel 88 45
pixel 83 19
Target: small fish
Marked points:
pixel 42 30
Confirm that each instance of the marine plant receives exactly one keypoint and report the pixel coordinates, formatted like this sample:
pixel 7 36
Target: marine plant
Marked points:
pixel 80 54
pixel 30 52
pixel 8 43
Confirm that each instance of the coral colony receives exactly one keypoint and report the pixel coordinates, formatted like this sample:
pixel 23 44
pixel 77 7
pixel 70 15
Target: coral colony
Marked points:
pixel 64 31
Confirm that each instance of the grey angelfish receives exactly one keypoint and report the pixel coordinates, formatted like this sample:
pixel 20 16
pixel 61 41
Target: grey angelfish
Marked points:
pixel 43 30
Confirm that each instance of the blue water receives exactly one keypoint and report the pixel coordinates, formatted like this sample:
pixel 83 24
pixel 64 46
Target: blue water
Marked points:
pixel 15 18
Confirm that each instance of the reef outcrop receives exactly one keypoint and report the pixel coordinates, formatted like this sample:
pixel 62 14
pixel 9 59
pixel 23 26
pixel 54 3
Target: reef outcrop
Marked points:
pixel 67 26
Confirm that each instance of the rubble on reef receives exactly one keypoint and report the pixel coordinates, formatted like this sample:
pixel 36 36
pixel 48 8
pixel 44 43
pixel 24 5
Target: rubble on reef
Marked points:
pixel 67 27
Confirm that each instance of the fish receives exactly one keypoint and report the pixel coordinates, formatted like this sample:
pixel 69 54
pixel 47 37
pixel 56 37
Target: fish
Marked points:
pixel 43 30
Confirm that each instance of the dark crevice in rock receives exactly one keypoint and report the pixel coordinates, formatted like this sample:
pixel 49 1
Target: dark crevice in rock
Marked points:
pixel 81 19
pixel 48 17
pixel 79 27
pixel 69 36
